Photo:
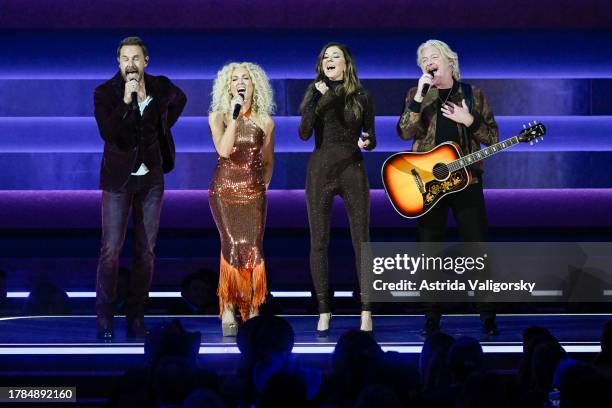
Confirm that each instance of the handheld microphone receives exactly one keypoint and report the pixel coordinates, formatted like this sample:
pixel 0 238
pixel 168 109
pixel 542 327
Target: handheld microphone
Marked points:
pixel 238 106
pixel 133 76
pixel 134 101
pixel 426 86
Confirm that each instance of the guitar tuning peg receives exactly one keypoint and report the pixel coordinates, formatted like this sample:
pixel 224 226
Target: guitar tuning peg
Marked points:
pixel 535 122
pixel 524 127
pixel 536 140
pixel 531 143
pixel 530 124
pixel 541 137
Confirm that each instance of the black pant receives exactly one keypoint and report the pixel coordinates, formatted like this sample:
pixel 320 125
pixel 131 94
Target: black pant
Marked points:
pixel 470 214
pixel 332 172
pixel 143 195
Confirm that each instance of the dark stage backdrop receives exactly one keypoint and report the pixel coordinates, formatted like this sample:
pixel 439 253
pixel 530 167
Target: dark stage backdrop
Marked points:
pixel 535 60
pixel 305 14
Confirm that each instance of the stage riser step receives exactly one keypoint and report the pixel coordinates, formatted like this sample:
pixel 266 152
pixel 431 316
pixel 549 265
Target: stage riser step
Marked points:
pixel 520 96
pixel 287 209
pixel 378 53
pixel 531 169
pixel 192 134
pixel 79 274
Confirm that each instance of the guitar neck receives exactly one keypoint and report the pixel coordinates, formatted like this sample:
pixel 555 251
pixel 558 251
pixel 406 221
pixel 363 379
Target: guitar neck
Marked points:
pixel 482 154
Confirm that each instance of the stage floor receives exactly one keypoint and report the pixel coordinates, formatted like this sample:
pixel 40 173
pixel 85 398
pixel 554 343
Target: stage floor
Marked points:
pixel 65 335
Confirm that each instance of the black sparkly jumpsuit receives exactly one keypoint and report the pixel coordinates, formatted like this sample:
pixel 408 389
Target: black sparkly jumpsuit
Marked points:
pixel 336 167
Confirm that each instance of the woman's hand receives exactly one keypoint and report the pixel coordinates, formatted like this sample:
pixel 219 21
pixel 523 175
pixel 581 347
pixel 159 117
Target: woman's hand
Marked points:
pixel 321 87
pixel 364 141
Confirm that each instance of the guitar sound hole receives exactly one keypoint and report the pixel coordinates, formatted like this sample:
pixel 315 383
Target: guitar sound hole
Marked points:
pixel 440 171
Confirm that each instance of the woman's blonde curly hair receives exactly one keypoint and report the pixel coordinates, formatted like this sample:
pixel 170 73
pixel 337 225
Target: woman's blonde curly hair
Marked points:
pixel 263 98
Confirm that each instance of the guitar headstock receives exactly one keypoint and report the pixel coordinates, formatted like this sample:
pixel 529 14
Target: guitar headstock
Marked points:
pixel 532 133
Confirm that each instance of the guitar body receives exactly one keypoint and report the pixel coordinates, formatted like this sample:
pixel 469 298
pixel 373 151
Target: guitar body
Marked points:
pixel 415 181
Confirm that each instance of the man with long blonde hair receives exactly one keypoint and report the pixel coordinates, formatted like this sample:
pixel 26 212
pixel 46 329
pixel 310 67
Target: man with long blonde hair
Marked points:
pixel 443 109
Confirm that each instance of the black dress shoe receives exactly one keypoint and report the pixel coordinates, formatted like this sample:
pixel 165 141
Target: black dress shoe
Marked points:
pixel 490 328
pixel 105 334
pixel 136 329
pixel 104 327
pixel 431 326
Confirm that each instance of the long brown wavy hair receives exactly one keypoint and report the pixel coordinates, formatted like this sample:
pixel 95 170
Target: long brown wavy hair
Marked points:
pixel 350 84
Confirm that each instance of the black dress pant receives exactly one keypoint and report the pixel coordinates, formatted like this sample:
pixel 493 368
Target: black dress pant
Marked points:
pixel 470 214
pixel 142 195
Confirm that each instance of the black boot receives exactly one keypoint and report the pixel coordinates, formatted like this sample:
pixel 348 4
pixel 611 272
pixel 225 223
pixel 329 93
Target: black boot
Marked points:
pixel 489 327
pixel 431 326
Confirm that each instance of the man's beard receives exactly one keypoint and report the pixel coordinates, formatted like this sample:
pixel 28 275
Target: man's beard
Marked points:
pixel 128 75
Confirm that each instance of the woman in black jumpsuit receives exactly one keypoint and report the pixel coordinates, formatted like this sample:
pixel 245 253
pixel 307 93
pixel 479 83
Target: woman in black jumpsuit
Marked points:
pixel 338 109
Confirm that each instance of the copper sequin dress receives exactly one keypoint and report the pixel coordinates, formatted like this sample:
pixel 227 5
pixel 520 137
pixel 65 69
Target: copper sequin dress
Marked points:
pixel 237 197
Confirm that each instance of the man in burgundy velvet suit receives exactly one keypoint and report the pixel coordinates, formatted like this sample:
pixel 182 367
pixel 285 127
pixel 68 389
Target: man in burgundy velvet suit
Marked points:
pixel 134 112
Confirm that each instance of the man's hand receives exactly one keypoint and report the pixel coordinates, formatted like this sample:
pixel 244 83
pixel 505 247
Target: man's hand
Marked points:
pixel 426 78
pixel 460 114
pixel 130 86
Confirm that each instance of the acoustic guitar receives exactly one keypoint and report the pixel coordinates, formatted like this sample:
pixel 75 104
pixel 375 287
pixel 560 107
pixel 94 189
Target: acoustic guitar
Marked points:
pixel 416 181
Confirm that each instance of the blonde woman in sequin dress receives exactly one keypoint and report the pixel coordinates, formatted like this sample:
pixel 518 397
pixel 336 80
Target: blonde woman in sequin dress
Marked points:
pixel 237 193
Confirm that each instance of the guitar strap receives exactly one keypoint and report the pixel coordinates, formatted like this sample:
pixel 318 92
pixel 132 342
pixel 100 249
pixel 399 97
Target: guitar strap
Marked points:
pixel 466 89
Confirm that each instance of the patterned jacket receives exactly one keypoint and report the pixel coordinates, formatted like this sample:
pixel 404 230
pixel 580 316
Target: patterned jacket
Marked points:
pixel 421 126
